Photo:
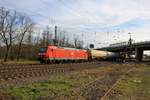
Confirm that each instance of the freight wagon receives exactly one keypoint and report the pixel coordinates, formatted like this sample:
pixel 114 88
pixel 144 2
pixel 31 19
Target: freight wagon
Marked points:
pixel 105 55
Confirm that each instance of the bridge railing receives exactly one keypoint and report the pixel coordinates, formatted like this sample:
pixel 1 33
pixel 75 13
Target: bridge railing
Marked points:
pixel 119 44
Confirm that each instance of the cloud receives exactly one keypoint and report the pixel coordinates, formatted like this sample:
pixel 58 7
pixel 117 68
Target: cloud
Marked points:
pixel 89 16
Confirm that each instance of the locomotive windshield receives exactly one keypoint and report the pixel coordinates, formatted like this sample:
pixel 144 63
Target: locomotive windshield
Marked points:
pixel 42 50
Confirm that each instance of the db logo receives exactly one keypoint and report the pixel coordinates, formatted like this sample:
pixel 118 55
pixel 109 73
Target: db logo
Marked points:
pixel 72 53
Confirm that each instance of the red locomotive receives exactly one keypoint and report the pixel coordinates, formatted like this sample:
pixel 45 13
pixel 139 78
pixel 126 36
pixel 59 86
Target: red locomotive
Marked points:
pixel 55 54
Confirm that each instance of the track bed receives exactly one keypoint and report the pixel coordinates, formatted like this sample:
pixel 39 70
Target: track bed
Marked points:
pixel 80 81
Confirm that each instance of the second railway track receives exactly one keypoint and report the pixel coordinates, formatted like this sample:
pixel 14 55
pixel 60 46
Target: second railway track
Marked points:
pixel 14 72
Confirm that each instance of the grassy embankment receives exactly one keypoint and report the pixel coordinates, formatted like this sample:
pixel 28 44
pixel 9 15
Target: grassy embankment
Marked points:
pixel 135 85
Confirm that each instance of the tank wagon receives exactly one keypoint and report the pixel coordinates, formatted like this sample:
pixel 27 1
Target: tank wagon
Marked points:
pixel 106 55
pixel 55 54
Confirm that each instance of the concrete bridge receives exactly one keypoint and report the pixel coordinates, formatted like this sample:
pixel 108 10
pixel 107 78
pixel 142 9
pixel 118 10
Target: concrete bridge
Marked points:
pixel 138 48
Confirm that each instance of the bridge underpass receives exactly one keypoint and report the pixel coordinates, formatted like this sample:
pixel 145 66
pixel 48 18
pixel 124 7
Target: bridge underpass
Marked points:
pixel 138 48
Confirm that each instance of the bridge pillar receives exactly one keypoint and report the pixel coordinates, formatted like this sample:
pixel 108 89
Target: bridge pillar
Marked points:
pixel 139 54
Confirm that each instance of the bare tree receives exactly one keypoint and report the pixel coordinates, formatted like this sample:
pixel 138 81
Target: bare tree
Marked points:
pixel 75 39
pixel 44 38
pixel 77 42
pixel 64 39
pixel 26 26
pixel 61 38
pixel 8 26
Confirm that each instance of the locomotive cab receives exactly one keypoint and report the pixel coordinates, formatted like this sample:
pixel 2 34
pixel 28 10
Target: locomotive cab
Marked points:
pixel 42 54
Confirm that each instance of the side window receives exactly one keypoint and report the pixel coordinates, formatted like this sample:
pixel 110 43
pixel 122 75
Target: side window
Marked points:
pixel 43 50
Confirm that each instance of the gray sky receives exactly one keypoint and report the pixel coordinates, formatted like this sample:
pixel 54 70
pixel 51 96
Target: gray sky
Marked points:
pixel 110 19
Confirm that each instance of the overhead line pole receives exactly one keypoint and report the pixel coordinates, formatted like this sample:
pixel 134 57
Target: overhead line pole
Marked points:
pixel 55 40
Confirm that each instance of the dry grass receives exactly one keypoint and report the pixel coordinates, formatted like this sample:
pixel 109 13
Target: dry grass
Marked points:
pixel 135 86
pixel 9 62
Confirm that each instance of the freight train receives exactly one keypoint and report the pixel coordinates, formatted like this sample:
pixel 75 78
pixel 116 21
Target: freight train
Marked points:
pixel 56 54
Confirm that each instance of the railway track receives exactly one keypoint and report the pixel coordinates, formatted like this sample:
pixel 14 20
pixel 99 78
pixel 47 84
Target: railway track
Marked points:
pixel 13 72
pixel 100 88
pixel 109 91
